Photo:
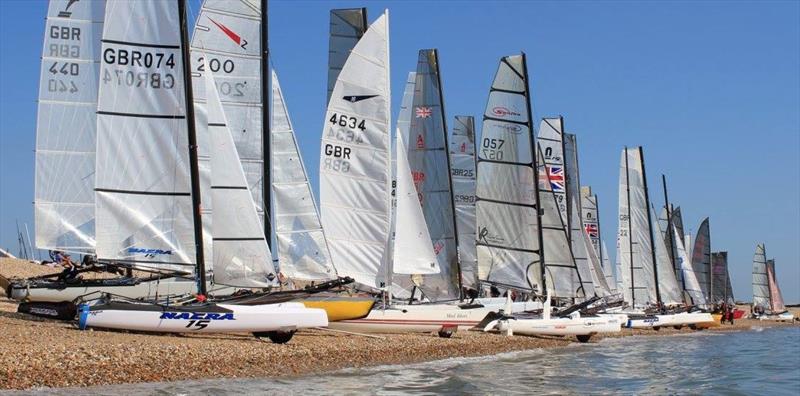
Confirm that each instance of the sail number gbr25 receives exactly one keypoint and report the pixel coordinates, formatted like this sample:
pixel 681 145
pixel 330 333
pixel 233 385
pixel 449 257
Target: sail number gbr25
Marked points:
pixel 345 129
pixel 132 62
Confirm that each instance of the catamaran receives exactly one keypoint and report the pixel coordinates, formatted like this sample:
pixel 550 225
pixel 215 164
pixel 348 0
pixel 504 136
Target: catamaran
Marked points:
pixel 650 287
pixel 165 215
pixel 767 297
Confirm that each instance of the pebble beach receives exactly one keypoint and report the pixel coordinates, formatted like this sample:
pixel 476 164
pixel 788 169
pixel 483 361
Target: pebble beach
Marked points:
pixel 37 352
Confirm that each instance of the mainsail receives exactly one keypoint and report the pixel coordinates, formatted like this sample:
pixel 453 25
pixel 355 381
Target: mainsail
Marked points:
pixel 509 239
pixel 66 126
pixel 690 283
pixel 144 203
pixel 721 290
pixel 551 139
pixel 611 279
pixel 670 292
pixel 301 246
pixel 775 296
pixel 590 218
pixel 226 43
pixel 422 127
pixel 761 290
pixel 701 258
pixel 241 255
pixel 462 160
pixel 355 177
pixel 635 249
pixel 588 265
pixel 347 26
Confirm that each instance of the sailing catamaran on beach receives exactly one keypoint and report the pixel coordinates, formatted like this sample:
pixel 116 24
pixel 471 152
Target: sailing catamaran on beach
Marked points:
pixel 767 297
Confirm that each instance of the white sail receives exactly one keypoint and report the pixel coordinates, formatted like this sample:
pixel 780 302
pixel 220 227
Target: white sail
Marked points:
pixel 241 254
pixel 66 126
pixel 355 178
pixel 422 125
pixel 347 26
pixel 301 246
pixel 590 218
pixel 611 279
pixel 143 193
pixel 413 251
pixel 634 232
pixel 551 139
pixel 509 252
pixel 462 160
pixel 601 287
pixel 562 276
pixel 691 286
pixel 760 279
pixel 586 268
pixel 701 258
pixel 226 43
pixel 671 292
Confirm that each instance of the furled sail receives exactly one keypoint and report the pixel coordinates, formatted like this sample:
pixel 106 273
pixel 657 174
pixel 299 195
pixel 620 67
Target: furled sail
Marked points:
pixel 761 290
pixel 671 292
pixel 462 160
pixel 355 177
pixel 347 26
pixel 776 298
pixel 226 43
pixel 586 268
pixel 413 252
pixel 422 126
pixel 634 231
pixel 691 285
pixel 66 126
pixel 143 194
pixel 508 244
pixel 701 258
pixel 301 246
pixel 241 254
pixel 721 290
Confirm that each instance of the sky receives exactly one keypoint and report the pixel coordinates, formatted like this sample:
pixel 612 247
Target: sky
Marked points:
pixel 710 89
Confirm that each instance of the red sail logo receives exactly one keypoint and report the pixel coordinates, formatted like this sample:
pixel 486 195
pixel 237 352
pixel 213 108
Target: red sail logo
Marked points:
pixel 231 34
pixel 501 111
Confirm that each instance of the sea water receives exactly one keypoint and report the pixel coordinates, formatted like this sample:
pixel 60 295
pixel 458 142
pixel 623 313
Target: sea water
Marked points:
pixel 755 362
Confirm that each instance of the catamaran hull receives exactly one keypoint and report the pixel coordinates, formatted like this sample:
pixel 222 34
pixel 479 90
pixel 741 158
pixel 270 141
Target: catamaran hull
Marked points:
pixel 207 318
pixel 679 319
pixel 783 317
pixel 55 293
pixel 424 318
pixel 561 326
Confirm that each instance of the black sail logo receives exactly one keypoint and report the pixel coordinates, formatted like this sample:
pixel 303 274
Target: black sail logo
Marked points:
pixel 357 98
pixel 66 13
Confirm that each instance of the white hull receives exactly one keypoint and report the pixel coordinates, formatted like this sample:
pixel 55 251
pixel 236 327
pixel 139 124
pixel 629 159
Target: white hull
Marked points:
pixel 784 317
pixel 146 290
pixel 208 318
pixel 424 318
pixel 679 319
pixel 560 326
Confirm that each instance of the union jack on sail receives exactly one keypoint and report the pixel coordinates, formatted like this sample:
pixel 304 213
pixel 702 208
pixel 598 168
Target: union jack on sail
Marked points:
pixel 423 112
pixel 592 231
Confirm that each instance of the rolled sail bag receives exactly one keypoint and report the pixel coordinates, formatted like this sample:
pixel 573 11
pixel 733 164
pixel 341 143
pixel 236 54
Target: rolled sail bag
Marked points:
pixel 60 310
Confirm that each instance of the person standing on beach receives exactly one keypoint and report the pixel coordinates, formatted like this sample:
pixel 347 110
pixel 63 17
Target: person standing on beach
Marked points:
pixel 731 312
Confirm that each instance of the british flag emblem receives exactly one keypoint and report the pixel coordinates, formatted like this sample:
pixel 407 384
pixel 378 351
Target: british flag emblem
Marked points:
pixel 556 176
pixel 592 231
pixel 423 112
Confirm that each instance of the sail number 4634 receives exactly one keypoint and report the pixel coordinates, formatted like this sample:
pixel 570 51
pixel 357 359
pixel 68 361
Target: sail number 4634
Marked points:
pixel 344 120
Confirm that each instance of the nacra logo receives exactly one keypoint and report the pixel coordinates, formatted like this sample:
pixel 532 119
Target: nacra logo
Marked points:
pixel 503 112
pixel 149 252
pixel 197 316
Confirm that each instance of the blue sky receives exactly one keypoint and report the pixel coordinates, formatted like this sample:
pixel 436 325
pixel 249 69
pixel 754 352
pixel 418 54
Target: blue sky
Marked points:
pixel 710 89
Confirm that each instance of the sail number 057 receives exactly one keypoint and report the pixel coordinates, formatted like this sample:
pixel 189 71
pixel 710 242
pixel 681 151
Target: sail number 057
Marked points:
pixel 491 148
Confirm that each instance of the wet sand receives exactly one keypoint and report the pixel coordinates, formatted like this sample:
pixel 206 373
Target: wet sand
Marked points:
pixel 37 352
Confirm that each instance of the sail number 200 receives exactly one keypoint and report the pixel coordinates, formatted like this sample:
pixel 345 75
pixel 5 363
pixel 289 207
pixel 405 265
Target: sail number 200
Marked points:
pixel 491 148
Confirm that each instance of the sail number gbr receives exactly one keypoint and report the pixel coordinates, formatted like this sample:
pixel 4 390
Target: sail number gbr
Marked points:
pixel 491 148
pixel 138 59
pixel 345 129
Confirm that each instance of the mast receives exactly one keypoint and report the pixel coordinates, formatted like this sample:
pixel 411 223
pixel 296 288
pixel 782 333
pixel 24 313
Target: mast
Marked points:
pixel 534 152
pixel 567 194
pixel 266 136
pixel 630 228
pixel 194 170
pixel 650 225
pixel 449 173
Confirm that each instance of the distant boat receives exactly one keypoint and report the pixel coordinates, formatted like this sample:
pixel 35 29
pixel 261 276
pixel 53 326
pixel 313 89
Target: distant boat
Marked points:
pixel 767 298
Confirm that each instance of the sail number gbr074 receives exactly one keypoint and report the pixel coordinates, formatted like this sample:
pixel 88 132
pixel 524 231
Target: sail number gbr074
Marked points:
pixel 345 129
pixel 133 68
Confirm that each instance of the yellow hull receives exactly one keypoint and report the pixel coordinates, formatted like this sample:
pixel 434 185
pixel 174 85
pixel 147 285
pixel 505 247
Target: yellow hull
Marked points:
pixel 340 307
